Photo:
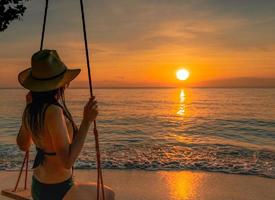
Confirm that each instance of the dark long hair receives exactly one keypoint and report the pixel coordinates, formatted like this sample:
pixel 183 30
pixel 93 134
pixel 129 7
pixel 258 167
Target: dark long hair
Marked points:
pixel 34 113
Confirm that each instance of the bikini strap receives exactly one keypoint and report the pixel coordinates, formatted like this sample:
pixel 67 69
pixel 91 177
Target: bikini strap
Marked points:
pixel 40 157
pixel 75 129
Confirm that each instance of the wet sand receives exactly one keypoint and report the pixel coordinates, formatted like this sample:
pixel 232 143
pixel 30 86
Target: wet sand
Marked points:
pixel 172 185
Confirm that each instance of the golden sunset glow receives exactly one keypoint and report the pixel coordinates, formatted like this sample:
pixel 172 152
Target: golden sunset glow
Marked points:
pixel 183 74
pixel 156 53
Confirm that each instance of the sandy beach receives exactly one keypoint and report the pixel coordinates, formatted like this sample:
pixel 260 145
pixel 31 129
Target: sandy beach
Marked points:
pixel 174 185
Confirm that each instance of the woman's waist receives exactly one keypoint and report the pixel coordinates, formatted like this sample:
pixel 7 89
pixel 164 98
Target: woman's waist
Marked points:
pixel 51 174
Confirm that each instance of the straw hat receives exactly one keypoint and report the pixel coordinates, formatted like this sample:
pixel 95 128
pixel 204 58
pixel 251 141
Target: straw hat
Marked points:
pixel 47 72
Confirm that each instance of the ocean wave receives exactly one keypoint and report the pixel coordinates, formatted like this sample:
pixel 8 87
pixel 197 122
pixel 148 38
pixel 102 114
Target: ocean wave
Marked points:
pixel 215 158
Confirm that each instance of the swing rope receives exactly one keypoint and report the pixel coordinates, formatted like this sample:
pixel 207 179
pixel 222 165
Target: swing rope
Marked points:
pixel 44 25
pixel 25 161
pixel 100 184
pixel 99 171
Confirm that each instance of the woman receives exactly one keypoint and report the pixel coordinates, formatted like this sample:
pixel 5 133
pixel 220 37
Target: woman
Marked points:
pixel 49 125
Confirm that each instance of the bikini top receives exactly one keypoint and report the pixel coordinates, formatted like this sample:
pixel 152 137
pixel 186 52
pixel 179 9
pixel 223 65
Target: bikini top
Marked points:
pixel 40 153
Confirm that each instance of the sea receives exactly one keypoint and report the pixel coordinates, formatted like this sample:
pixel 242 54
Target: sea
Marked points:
pixel 230 130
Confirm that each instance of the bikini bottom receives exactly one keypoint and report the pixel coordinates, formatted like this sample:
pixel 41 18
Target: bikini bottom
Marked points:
pixel 56 191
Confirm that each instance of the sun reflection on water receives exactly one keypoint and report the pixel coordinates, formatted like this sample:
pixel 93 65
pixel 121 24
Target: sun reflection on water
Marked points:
pixel 183 185
pixel 182 96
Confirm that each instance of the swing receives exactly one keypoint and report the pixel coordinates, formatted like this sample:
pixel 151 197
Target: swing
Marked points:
pixel 25 193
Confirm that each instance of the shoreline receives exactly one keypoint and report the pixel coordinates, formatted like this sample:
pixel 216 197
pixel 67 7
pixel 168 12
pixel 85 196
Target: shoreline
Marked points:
pixel 132 184
pixel 157 170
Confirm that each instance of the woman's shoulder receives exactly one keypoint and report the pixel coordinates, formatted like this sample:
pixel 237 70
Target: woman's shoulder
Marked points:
pixel 53 109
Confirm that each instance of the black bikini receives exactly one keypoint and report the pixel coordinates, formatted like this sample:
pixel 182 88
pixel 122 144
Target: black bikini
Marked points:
pixel 40 157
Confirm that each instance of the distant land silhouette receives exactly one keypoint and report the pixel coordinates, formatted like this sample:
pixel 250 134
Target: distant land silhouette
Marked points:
pixel 243 82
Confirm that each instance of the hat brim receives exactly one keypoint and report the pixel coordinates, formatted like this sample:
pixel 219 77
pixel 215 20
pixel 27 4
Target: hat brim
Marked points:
pixel 35 85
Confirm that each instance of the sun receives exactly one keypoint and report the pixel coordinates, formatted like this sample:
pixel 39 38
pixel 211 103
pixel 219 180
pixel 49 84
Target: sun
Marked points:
pixel 183 74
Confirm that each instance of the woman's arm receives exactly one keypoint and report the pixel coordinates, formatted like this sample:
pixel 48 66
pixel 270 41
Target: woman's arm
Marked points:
pixel 66 150
pixel 24 139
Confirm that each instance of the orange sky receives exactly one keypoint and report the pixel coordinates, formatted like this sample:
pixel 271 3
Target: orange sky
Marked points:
pixel 143 43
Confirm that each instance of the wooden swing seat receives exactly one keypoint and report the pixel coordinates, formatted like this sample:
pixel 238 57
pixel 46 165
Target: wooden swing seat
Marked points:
pixel 19 194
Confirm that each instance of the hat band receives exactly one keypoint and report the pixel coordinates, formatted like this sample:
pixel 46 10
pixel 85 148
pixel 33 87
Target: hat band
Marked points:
pixel 49 78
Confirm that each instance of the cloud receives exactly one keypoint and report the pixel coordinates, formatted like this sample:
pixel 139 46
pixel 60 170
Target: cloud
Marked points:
pixel 130 35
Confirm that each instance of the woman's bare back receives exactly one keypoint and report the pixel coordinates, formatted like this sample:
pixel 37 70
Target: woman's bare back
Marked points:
pixel 52 170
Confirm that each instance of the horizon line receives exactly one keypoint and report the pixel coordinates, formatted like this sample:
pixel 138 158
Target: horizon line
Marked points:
pixel 159 87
